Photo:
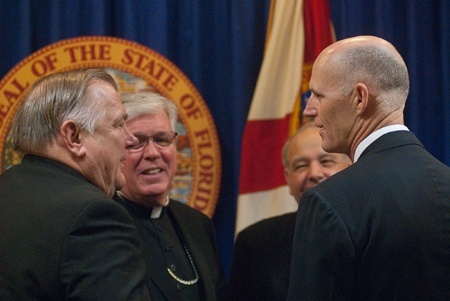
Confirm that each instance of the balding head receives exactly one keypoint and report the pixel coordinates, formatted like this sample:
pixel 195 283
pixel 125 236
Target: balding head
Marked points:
pixel 358 85
pixel 372 61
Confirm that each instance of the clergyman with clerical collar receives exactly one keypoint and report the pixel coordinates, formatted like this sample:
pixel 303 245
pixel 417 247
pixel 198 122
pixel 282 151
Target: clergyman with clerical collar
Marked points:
pixel 179 243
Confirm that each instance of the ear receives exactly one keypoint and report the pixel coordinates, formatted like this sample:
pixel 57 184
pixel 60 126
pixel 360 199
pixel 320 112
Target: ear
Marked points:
pixel 361 98
pixel 73 138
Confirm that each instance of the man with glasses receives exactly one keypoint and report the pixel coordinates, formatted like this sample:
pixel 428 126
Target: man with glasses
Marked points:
pixel 179 242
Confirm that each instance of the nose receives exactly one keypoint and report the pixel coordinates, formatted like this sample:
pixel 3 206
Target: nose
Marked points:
pixel 316 174
pixel 310 109
pixel 130 139
pixel 150 150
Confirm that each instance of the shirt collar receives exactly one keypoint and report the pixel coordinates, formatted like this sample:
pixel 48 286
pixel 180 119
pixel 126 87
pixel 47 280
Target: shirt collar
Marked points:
pixel 374 136
pixel 156 212
pixel 152 212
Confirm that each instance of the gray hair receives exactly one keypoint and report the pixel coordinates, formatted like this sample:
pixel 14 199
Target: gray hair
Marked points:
pixel 52 100
pixel 140 103
pixel 384 70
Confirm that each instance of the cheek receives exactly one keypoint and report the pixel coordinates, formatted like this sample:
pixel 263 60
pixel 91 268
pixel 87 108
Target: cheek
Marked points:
pixel 130 164
pixel 328 172
pixel 170 158
pixel 115 145
pixel 173 167
pixel 298 180
pixel 330 114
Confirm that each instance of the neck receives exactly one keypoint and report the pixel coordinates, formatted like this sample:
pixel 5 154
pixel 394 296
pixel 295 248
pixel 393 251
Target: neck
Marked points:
pixel 369 126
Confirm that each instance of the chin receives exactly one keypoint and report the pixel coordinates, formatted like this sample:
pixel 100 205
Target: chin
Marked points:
pixel 154 198
pixel 154 190
pixel 327 147
pixel 120 182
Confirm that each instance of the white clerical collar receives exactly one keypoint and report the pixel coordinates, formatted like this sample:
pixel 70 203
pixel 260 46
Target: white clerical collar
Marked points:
pixel 156 212
pixel 374 136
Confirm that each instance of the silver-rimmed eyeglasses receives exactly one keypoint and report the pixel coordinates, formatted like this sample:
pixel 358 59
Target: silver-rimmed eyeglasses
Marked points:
pixel 160 139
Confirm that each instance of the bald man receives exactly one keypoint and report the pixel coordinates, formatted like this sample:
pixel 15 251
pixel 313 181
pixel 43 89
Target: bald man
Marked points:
pixel 380 229
pixel 262 254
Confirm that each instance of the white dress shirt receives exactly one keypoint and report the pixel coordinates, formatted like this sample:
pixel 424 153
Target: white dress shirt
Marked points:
pixel 374 136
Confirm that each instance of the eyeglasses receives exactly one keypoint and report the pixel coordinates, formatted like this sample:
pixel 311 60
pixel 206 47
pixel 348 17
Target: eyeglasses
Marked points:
pixel 160 139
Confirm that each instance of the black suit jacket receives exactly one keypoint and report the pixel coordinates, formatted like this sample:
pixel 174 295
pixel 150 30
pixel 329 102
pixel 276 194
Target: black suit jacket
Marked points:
pixel 198 233
pixel 63 238
pixel 262 260
pixel 378 230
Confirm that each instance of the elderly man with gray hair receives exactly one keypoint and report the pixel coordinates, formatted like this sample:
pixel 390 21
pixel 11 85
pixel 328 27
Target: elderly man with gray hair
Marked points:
pixel 62 236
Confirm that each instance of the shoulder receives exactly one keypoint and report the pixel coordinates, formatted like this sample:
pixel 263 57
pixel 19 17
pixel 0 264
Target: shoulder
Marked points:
pixel 97 215
pixel 102 204
pixel 192 220
pixel 267 229
pixel 270 223
pixel 181 208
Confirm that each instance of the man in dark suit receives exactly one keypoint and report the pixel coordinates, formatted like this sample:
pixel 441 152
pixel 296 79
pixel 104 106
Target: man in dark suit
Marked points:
pixel 380 229
pixel 262 251
pixel 62 236
pixel 179 242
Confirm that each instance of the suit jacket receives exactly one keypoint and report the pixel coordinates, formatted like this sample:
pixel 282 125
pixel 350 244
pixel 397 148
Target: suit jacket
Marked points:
pixel 378 230
pixel 198 233
pixel 262 260
pixel 63 238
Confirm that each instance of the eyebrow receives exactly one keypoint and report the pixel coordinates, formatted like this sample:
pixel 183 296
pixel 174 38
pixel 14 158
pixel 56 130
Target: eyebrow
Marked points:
pixel 139 134
pixel 120 119
pixel 300 159
pixel 314 91
pixel 320 157
pixel 329 156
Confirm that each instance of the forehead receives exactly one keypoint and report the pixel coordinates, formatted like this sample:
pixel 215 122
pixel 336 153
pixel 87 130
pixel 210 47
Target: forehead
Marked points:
pixel 323 68
pixel 103 94
pixel 327 83
pixel 150 122
pixel 307 143
pixel 101 88
pixel 101 91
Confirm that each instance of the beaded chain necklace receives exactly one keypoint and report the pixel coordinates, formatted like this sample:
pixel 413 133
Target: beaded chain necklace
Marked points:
pixel 186 282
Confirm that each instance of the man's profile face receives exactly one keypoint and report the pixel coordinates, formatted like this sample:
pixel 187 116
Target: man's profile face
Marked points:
pixel 105 148
pixel 331 109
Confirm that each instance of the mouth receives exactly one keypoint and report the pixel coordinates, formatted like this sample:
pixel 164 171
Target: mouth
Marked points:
pixel 152 171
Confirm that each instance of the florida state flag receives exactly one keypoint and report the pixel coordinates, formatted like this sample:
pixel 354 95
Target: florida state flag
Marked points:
pixel 297 32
